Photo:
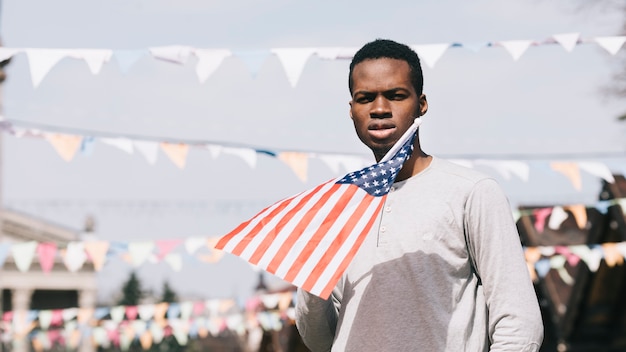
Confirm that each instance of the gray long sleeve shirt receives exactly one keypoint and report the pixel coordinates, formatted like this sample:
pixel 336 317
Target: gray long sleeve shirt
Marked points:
pixel 443 270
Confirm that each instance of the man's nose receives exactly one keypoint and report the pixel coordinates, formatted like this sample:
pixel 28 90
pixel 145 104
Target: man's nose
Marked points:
pixel 380 108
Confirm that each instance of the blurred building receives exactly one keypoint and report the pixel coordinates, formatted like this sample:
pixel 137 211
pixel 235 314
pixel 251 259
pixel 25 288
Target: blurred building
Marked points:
pixel 34 289
pixel 582 294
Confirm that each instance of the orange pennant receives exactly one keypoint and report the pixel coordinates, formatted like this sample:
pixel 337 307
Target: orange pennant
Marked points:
pixel 571 171
pixel 612 255
pixel 97 251
pixel 580 214
pixel 65 144
pixel 298 162
pixel 177 152
pixel 146 340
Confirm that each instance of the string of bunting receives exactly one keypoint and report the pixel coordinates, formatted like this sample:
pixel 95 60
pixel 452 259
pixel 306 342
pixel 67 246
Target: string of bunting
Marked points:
pixel 176 252
pixel 293 60
pixel 68 143
pixel 149 324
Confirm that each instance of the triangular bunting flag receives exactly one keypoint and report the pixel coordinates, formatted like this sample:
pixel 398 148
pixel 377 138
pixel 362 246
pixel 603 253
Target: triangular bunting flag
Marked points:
pixel 597 169
pixel 65 144
pixel 557 217
pixel 611 44
pixel 123 144
pixel 7 53
pixel 571 171
pixel 46 253
pixel 516 47
pixel 127 58
pixel 298 163
pixel 23 254
pixel 149 149
pixel 567 40
pixel 328 53
pixel 430 53
pixel 140 251
pixel 41 62
pixel 580 214
pixel 293 60
pixel 248 155
pixel 5 248
pixel 97 251
pixel 74 256
pixel 208 61
pixel 95 58
pixel 253 60
pixel 175 261
pixel 177 152
pixel 166 246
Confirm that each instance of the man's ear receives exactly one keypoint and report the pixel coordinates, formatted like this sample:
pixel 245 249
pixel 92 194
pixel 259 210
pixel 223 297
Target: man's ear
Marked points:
pixel 350 110
pixel 423 104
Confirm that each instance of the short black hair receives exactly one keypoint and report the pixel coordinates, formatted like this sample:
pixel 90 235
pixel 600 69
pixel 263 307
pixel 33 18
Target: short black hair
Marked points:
pixel 385 48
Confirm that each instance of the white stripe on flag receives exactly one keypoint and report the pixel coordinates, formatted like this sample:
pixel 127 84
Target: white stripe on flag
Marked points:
pixel 316 223
pixel 235 240
pixel 334 264
pixel 271 251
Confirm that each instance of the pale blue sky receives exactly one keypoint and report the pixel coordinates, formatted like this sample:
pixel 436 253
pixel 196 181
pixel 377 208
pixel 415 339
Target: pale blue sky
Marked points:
pixel 482 103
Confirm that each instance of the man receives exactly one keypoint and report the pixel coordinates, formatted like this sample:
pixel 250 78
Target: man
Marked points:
pixel 443 269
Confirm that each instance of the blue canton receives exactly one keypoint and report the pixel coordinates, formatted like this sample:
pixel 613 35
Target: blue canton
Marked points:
pixel 378 178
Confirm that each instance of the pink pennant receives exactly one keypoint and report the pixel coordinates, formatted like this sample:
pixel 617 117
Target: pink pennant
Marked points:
pixel 57 317
pixel 131 312
pixel 540 218
pixel 166 246
pixel 46 252
pixel 7 316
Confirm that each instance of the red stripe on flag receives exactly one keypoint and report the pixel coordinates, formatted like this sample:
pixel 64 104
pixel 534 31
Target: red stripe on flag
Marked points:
pixel 322 231
pixel 300 228
pixel 226 238
pixel 340 239
pixel 271 235
pixel 346 261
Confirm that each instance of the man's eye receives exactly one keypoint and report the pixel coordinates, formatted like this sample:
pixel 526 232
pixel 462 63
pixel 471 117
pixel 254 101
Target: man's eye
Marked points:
pixel 364 99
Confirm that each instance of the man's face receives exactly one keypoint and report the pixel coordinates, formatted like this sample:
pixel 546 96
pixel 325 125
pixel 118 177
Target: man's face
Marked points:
pixel 384 102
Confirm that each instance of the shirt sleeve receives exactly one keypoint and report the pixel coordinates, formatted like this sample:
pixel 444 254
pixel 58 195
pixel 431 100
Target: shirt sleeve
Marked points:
pixel 515 322
pixel 316 319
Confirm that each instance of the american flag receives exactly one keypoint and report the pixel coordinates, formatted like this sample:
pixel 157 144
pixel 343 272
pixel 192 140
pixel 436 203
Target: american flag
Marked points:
pixel 311 238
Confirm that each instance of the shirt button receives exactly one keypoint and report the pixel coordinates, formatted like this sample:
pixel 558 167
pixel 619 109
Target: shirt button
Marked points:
pixel 387 209
pixel 392 189
pixel 383 229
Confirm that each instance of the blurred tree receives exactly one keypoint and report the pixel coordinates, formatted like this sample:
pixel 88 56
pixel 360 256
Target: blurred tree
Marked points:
pixel 132 292
pixel 169 295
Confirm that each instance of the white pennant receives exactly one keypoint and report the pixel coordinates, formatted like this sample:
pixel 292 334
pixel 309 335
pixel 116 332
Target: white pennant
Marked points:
pixel 146 311
pixel 430 53
pixel 516 47
pixel 123 144
pixel 332 161
pixel 75 256
pixel 140 251
pixel 117 313
pixel 248 155
pixel 192 244
pixel 41 62
pixel 567 40
pixel 611 44
pixel 557 217
pixel 175 261
pixel 23 254
pixel 208 61
pixel 45 318
pixel 597 169
pixel 95 58
pixel 149 149
pixel 293 60
pixel 214 150
pixel 175 53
